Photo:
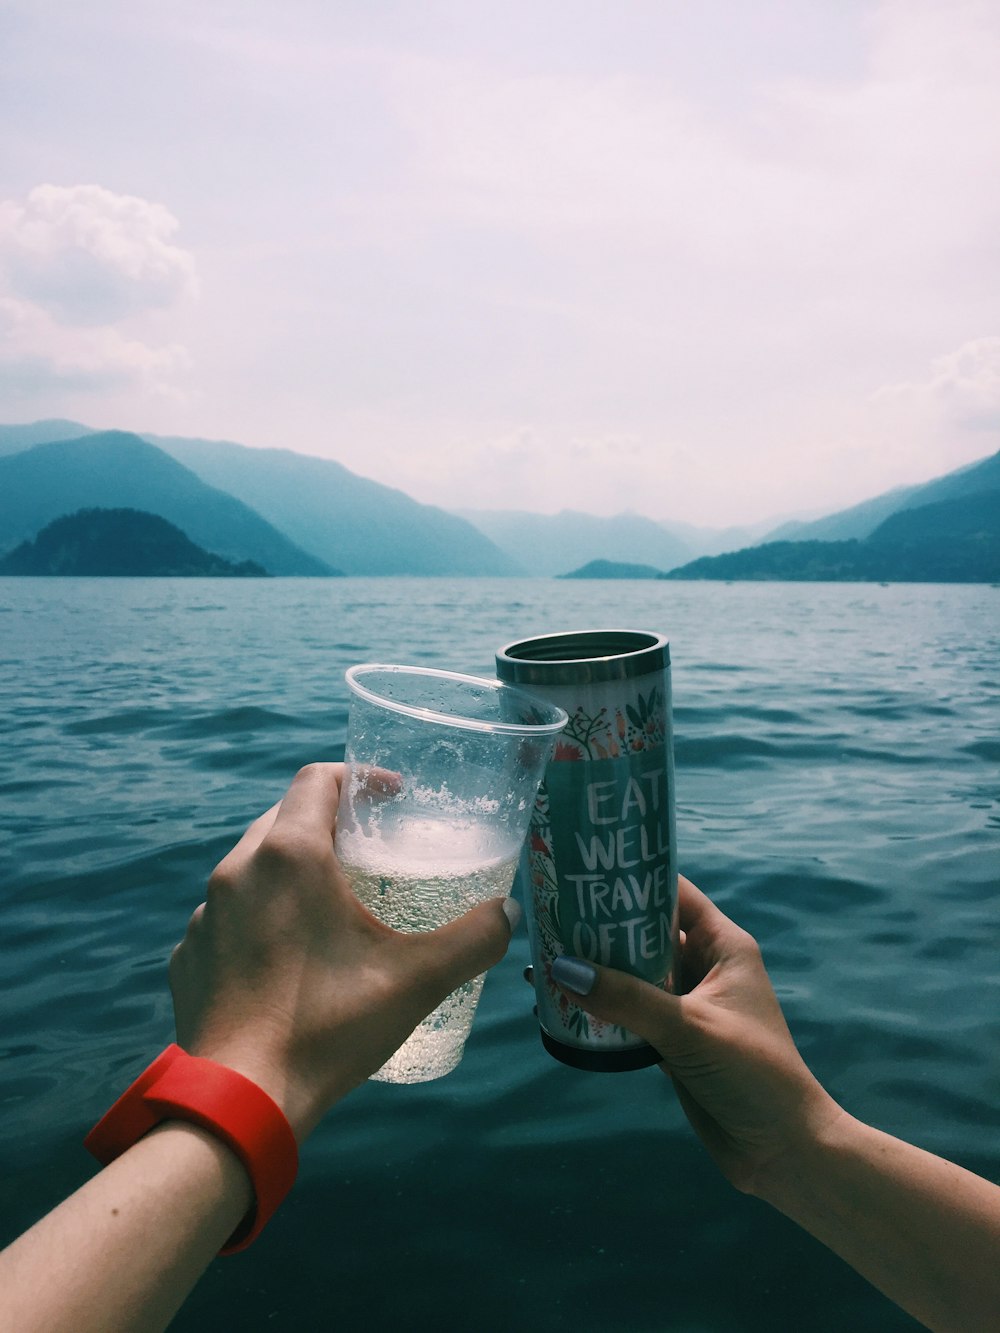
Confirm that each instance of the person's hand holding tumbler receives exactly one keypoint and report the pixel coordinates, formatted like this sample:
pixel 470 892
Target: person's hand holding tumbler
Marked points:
pixel 925 1231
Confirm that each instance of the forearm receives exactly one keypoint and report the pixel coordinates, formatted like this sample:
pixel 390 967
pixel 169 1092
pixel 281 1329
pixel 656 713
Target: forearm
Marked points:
pixel 924 1231
pixel 124 1250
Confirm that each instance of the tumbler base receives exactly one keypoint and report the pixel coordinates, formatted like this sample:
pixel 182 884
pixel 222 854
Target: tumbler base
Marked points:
pixel 601 1062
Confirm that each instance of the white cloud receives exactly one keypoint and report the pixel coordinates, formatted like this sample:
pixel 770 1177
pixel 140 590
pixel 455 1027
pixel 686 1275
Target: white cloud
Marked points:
pixel 89 256
pixel 961 390
pixel 80 270
pixel 35 349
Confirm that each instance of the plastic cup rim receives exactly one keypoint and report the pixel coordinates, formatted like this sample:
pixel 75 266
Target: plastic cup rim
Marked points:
pixel 524 729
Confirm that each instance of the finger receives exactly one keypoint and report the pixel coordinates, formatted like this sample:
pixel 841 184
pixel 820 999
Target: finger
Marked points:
pixel 697 911
pixel 258 830
pixel 184 946
pixel 313 799
pixel 366 786
pixel 248 844
pixel 468 946
pixel 707 934
pixel 374 781
pixel 616 997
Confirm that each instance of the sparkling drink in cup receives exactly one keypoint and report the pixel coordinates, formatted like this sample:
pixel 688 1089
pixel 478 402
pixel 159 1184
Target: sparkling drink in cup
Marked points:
pixel 443 770
pixel 599 874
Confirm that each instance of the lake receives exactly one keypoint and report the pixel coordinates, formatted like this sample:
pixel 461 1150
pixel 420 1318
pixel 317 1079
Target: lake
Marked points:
pixel 838 751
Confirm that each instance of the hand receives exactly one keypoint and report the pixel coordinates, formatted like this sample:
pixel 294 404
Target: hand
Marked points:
pixel 285 977
pixel 725 1043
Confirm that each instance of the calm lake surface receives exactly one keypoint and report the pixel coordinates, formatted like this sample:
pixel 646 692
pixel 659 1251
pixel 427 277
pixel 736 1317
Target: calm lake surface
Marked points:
pixel 838 750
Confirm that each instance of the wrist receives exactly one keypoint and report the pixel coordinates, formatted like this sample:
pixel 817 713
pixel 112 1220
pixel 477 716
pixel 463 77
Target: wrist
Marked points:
pixel 291 1095
pixel 234 1178
pixel 178 1087
pixel 811 1152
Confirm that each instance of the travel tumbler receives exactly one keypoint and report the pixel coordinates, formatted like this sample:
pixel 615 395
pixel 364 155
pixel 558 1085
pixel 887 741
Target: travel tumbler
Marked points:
pixel 598 873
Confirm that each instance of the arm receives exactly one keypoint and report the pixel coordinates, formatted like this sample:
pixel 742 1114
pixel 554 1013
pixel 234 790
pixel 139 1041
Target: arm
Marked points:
pixel 287 979
pixel 131 1242
pixel 922 1230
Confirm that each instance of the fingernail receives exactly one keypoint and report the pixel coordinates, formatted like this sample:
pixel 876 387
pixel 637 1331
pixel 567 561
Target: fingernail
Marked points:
pixel 512 911
pixel 575 974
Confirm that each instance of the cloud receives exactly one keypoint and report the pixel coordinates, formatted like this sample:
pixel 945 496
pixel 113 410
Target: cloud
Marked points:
pixel 962 389
pixel 90 256
pixel 35 350
pixel 76 263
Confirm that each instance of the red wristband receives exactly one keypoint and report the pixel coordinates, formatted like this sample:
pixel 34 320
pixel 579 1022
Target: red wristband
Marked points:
pixel 178 1086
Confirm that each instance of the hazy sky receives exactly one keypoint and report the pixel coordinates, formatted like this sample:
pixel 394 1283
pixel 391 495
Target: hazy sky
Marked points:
pixel 712 260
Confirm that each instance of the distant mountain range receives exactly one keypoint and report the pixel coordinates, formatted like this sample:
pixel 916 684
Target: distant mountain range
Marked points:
pixel 558 543
pixel 952 538
pixel 296 514
pixel 555 543
pixel 119 543
pixel 362 527
pixel 861 520
pixel 291 513
pixel 356 524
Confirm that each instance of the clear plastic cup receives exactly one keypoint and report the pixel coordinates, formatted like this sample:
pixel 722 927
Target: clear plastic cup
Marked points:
pixel 443 770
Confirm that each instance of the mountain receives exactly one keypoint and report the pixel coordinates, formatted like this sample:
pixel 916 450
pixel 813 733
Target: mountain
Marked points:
pixel 115 470
pixel 959 537
pixel 119 542
pixel 950 541
pixel 715 541
pixel 357 524
pixel 327 515
pixel 15 438
pixel 861 520
pixel 610 569
pixel 556 543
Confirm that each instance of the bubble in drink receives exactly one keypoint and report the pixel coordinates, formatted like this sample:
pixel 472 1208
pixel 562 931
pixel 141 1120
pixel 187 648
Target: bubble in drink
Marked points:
pixel 414 893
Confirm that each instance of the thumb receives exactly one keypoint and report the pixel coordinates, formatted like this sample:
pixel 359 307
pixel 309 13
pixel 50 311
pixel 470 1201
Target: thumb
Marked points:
pixel 474 942
pixel 616 997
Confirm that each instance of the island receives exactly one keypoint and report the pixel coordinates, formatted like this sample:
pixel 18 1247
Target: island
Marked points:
pixel 612 569
pixel 120 543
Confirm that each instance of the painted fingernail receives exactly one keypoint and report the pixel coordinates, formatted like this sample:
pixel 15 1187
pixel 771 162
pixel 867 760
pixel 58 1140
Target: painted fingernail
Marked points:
pixel 512 911
pixel 575 974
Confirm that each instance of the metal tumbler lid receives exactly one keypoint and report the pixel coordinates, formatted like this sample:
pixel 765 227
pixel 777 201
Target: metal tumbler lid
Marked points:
pixel 583 657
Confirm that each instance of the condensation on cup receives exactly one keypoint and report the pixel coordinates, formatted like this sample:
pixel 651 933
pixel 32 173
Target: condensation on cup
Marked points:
pixel 598 873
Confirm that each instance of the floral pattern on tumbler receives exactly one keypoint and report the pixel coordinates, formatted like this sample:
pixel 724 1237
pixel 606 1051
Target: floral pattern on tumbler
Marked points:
pixel 598 872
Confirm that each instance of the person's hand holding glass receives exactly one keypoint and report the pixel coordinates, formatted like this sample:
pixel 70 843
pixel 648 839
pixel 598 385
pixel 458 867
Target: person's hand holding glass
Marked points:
pixel 442 775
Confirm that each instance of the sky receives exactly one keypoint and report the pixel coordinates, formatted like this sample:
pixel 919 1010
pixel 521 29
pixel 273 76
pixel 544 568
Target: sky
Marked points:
pixel 714 262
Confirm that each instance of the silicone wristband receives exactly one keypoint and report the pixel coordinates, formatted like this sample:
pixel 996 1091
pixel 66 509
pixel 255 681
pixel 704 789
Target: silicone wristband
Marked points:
pixel 178 1086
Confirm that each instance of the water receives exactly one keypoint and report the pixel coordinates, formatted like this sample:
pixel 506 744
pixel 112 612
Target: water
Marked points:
pixel 837 779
